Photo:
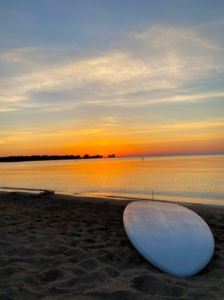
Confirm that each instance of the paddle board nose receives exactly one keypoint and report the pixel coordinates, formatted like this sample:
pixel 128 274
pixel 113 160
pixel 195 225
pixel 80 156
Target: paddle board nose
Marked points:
pixel 171 237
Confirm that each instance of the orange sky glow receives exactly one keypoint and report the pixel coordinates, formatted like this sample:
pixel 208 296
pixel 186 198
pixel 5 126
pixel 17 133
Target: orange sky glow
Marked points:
pixel 146 81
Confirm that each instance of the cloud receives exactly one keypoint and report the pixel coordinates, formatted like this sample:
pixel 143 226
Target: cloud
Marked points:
pixel 17 55
pixel 138 101
pixel 137 132
pixel 175 127
pixel 2 109
pixel 158 61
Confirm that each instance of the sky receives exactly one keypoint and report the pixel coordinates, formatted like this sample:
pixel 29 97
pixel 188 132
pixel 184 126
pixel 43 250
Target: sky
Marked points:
pixel 130 77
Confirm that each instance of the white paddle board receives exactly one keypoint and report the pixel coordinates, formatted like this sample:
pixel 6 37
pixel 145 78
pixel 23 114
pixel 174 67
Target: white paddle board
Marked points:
pixel 171 237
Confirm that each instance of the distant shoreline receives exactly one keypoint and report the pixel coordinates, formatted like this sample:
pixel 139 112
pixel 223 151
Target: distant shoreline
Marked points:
pixel 22 158
pixel 50 157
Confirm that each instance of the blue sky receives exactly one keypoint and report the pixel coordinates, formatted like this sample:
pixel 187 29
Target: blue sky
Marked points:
pixel 65 23
pixel 139 77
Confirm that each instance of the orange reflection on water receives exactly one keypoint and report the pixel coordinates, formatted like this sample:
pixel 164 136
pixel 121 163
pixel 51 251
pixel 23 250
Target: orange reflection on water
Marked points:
pixel 171 178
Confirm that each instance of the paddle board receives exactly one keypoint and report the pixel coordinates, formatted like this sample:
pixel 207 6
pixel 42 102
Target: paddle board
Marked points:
pixel 171 237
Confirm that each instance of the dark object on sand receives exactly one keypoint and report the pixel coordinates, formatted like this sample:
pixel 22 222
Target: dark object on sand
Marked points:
pixel 46 193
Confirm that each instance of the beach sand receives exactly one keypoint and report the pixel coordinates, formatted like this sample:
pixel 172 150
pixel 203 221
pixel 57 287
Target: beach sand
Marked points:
pixel 64 247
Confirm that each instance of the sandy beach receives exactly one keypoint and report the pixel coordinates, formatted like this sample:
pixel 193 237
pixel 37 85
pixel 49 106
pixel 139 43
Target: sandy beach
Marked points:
pixel 64 247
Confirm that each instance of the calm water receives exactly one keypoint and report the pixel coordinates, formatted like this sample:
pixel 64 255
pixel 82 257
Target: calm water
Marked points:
pixel 196 179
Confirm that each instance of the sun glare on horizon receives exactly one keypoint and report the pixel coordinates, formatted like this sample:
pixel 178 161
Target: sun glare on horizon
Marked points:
pixel 131 78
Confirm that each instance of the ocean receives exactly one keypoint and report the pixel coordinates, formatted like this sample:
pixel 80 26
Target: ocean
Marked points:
pixel 191 179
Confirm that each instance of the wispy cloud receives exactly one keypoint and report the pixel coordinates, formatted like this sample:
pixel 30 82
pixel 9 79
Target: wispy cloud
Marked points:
pixel 173 127
pixel 138 132
pixel 17 55
pixel 161 59
pixel 2 109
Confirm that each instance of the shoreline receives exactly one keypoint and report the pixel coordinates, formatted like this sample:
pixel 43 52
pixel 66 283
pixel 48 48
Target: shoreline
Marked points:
pixel 70 247
pixel 107 198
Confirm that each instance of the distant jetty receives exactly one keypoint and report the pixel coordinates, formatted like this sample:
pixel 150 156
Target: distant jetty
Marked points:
pixel 48 157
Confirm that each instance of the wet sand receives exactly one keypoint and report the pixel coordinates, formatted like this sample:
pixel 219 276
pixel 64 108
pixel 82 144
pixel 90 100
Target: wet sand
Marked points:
pixel 64 247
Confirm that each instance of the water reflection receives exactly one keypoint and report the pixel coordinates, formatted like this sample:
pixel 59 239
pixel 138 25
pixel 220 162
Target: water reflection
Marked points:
pixel 188 179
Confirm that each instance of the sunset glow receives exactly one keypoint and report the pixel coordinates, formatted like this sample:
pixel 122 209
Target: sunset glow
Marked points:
pixel 98 77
